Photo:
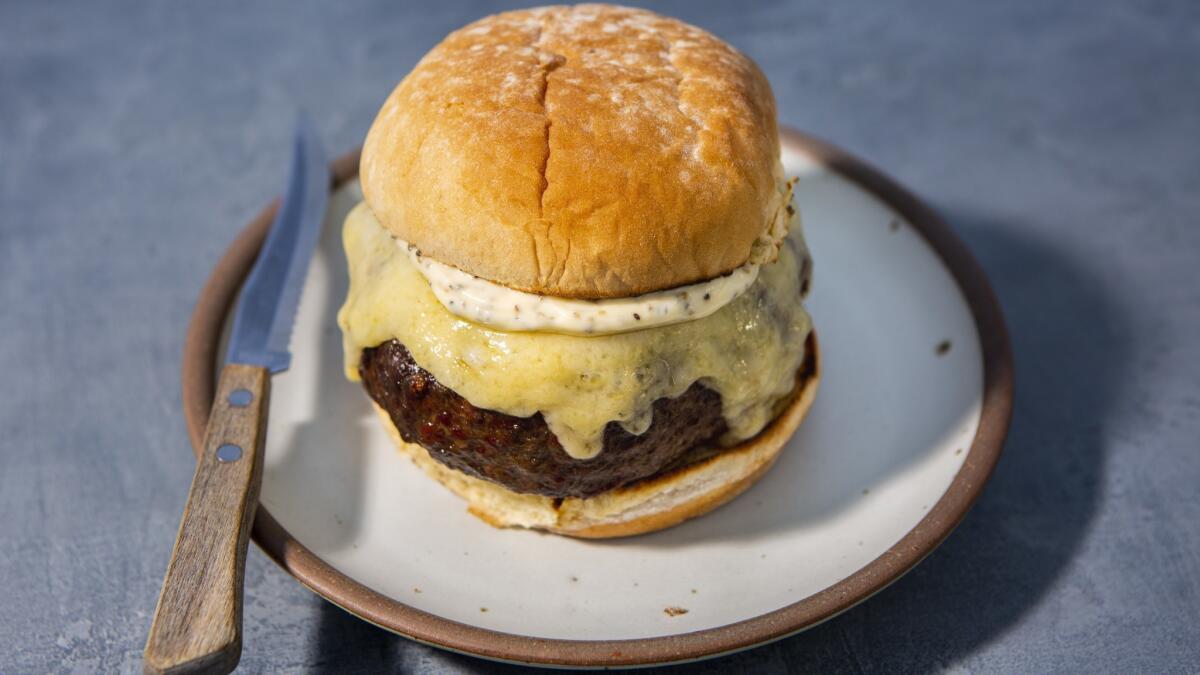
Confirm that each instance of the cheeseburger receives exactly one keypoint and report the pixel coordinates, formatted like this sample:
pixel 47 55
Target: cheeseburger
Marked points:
pixel 576 275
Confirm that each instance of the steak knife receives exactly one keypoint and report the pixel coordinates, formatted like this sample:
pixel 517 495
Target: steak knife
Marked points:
pixel 197 625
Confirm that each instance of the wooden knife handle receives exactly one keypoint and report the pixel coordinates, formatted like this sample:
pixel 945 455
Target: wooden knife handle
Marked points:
pixel 198 622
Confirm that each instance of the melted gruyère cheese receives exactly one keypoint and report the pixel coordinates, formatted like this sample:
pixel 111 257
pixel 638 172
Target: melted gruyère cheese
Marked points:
pixel 747 351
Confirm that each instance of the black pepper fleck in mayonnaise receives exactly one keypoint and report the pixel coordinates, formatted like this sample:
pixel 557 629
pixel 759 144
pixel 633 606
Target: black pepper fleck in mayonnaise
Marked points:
pixel 489 303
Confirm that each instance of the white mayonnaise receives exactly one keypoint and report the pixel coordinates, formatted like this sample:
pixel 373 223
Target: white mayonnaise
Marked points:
pixel 503 308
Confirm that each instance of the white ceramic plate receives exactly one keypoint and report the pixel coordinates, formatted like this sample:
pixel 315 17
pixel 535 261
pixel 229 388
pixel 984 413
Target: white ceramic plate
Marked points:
pixel 897 414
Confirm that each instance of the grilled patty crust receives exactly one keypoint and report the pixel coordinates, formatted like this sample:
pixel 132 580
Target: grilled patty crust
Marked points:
pixel 521 453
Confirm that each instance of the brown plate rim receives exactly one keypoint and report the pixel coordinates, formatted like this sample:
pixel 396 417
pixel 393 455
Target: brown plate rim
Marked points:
pixel 201 351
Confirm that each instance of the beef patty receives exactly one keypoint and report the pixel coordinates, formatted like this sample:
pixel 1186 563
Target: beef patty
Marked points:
pixel 521 453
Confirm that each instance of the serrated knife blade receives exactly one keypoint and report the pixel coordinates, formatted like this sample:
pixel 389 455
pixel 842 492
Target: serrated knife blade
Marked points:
pixel 262 326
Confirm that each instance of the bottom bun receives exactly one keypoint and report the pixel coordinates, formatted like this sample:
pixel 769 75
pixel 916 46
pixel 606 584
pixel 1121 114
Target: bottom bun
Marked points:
pixel 655 503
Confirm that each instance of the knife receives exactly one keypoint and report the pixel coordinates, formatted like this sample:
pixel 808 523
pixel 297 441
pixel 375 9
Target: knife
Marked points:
pixel 197 624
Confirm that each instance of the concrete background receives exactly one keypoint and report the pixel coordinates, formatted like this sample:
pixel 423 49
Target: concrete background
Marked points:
pixel 1061 139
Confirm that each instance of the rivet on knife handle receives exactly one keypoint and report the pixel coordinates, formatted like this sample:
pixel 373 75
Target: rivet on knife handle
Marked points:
pixel 198 622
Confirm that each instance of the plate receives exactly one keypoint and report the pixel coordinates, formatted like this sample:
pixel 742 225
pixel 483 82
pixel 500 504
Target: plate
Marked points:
pixel 911 416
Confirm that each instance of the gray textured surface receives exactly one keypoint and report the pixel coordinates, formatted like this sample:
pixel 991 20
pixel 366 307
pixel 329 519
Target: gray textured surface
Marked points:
pixel 1062 140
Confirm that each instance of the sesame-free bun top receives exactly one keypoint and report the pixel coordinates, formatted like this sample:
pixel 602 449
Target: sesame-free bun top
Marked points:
pixel 586 152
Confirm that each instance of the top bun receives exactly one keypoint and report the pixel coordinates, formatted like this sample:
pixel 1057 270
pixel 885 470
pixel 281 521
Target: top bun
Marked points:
pixel 586 152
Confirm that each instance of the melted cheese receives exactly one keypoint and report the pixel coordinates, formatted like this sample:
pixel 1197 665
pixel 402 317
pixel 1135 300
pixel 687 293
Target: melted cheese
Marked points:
pixel 747 351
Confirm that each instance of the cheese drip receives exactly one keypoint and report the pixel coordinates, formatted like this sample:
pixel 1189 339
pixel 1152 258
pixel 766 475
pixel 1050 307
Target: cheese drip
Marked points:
pixel 747 351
